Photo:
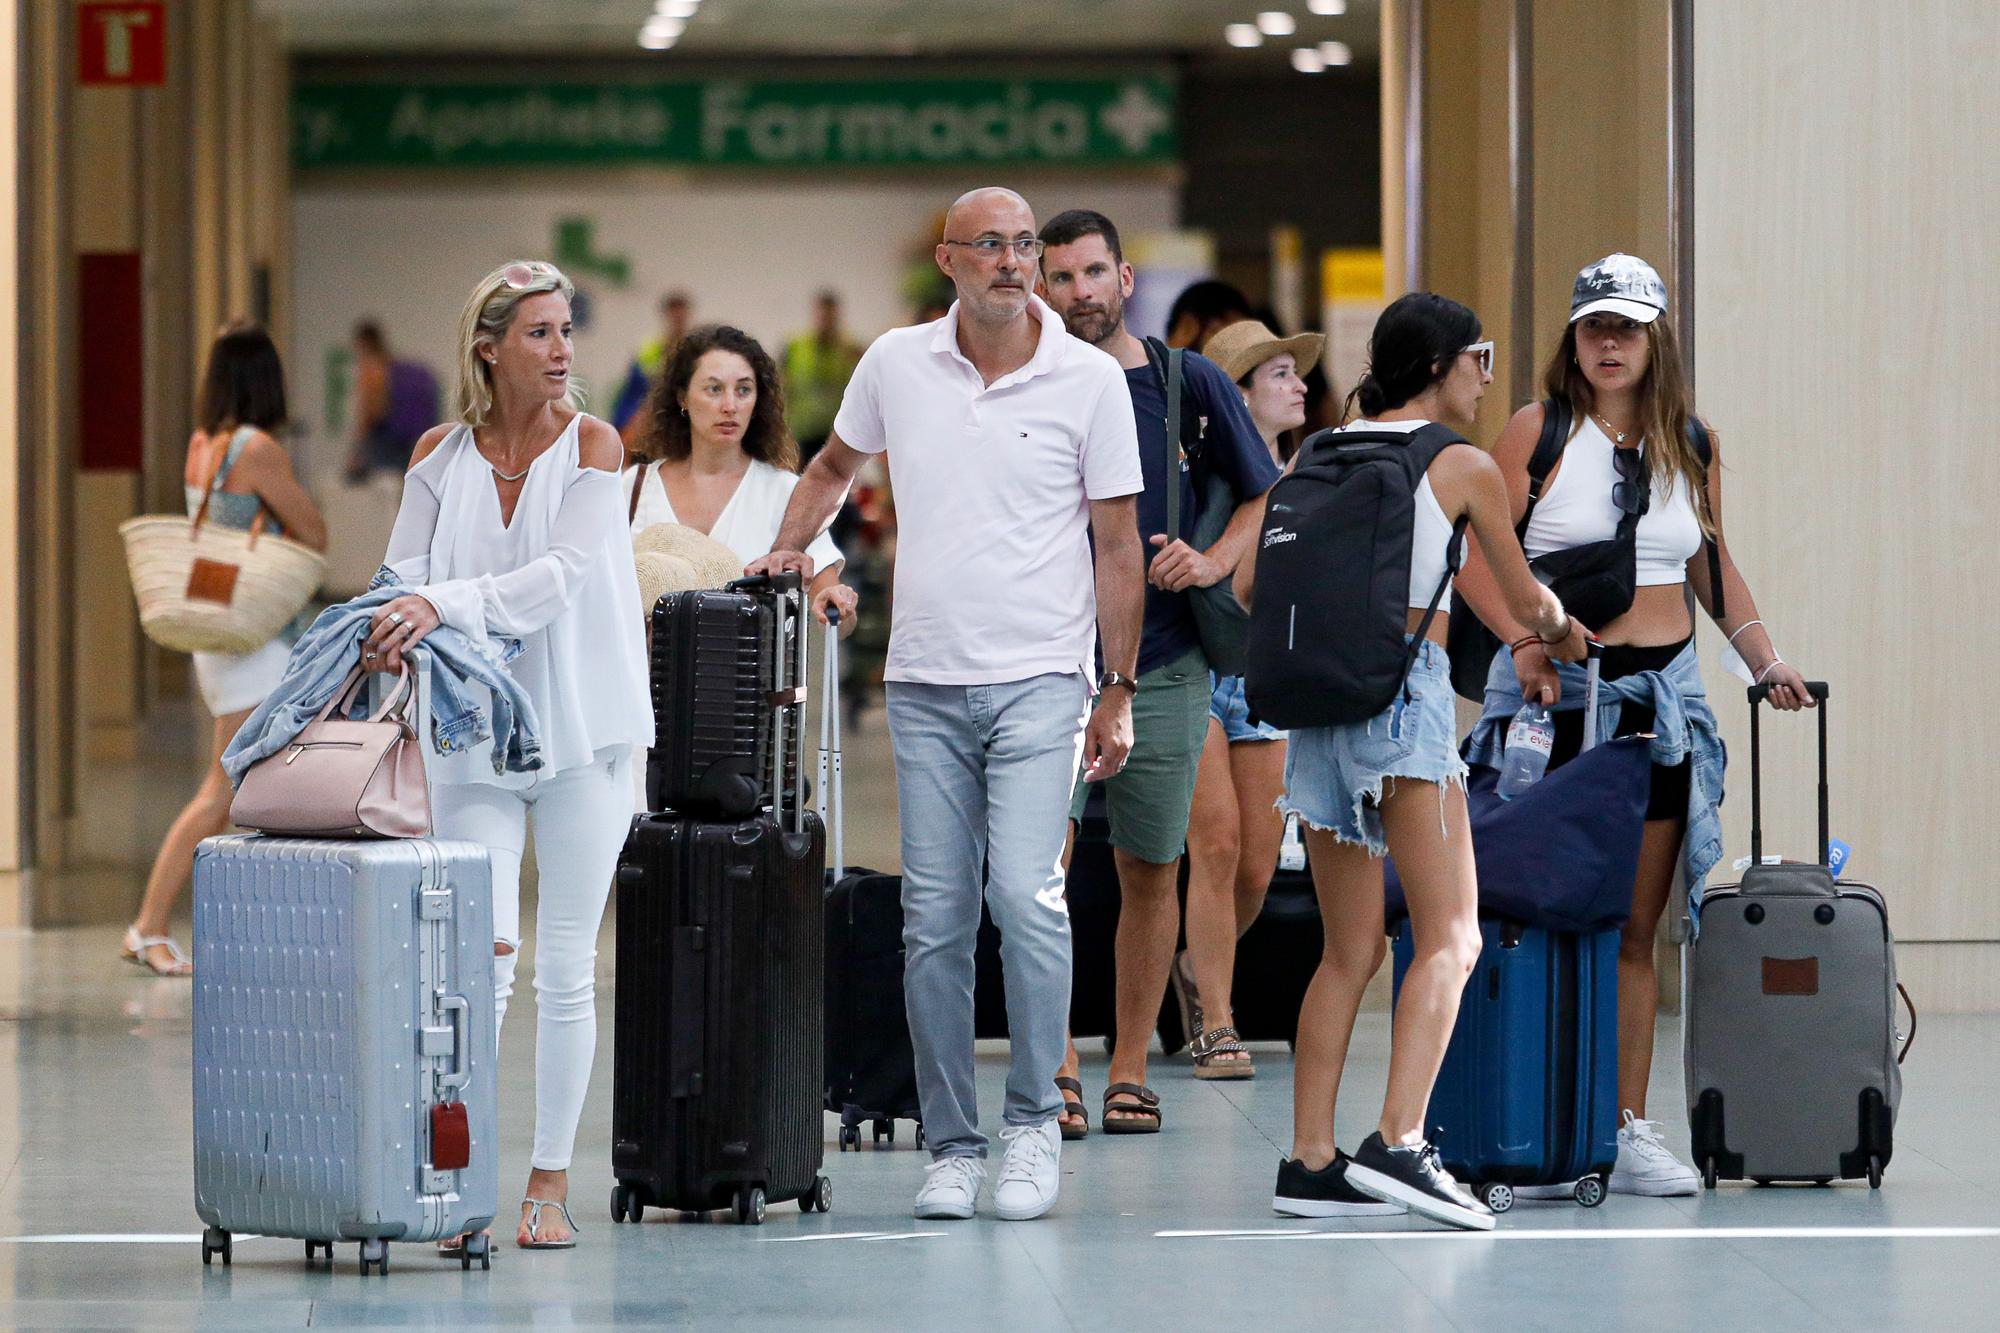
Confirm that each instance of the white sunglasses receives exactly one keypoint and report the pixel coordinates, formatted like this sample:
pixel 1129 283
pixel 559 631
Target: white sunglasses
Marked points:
pixel 1484 351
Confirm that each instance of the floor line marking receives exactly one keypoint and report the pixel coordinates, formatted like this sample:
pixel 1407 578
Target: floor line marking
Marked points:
pixel 848 1235
pixel 116 1238
pixel 1611 1233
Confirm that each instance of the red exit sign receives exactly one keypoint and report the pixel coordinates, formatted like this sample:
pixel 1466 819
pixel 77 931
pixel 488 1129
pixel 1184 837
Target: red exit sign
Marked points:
pixel 122 45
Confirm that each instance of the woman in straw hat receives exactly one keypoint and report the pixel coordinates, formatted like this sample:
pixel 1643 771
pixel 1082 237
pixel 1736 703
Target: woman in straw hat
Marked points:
pixel 235 454
pixel 1234 829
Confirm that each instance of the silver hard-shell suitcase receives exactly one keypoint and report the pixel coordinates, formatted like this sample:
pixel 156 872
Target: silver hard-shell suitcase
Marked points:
pixel 344 1046
pixel 1792 1059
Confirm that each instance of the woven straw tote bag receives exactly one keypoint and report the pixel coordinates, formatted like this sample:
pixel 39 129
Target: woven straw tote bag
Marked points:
pixel 208 589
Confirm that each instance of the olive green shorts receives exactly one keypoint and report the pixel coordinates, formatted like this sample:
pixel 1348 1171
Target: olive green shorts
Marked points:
pixel 1148 801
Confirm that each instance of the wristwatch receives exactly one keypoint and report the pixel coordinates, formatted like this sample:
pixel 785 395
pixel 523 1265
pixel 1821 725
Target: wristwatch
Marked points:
pixel 1110 678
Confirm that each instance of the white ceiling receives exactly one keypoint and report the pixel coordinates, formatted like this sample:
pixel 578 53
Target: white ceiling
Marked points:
pixel 1071 29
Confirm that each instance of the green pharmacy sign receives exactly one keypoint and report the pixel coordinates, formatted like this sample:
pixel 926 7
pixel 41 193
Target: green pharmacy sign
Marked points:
pixel 733 123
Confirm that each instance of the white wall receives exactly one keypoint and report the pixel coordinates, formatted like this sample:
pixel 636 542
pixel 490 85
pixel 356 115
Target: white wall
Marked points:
pixel 1846 281
pixel 751 250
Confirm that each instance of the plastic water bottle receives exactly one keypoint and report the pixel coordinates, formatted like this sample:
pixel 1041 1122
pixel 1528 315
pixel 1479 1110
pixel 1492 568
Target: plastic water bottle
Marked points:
pixel 1530 737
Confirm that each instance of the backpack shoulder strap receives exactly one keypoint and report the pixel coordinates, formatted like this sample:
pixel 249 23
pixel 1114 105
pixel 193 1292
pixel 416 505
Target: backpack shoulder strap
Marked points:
pixel 1167 363
pixel 1704 449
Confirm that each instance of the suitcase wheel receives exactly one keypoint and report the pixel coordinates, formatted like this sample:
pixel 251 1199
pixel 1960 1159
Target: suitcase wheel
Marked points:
pixel 749 1210
pixel 477 1246
pixel 375 1253
pixel 1589 1191
pixel 1708 1173
pixel 850 1138
pixel 214 1241
pixel 626 1204
pixel 885 1129
pixel 313 1247
pixel 1874 1172
pixel 920 1134
pixel 1497 1196
pixel 819 1198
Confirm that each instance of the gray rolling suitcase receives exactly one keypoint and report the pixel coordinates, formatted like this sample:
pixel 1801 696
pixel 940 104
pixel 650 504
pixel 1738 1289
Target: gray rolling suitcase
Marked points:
pixel 1791 1046
pixel 343 1043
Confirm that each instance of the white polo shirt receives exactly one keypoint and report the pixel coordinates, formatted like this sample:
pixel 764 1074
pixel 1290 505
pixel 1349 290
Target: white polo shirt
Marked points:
pixel 992 484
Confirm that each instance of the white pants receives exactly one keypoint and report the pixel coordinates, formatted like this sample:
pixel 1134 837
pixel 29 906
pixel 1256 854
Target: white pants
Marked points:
pixel 581 818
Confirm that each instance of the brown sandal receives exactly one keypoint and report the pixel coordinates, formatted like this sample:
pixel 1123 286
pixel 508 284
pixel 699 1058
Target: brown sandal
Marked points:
pixel 1072 1092
pixel 1219 1041
pixel 1137 1109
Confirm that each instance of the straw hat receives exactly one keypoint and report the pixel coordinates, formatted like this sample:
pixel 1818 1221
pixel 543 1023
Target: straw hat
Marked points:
pixel 1242 347
pixel 672 557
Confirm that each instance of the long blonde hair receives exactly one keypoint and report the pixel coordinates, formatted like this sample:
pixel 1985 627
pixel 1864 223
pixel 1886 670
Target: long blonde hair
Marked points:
pixel 488 314
pixel 1665 407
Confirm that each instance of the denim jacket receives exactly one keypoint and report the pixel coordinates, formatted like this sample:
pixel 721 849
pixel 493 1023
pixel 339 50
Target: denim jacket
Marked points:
pixel 322 658
pixel 1685 724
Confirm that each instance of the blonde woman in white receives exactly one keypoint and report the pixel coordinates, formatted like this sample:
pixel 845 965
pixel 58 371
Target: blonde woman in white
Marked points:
pixel 512 526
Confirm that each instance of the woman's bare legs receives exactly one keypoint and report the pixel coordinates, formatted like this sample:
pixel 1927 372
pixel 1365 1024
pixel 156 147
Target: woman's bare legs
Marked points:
pixel 1349 884
pixel 204 816
pixel 1233 839
pixel 1638 978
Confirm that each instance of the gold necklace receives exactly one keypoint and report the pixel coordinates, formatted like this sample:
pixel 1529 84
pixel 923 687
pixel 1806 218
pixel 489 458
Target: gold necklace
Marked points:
pixel 1617 436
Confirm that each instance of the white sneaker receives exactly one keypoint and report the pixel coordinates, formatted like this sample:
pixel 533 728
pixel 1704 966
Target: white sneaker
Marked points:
pixel 951 1188
pixel 1031 1173
pixel 1645 1166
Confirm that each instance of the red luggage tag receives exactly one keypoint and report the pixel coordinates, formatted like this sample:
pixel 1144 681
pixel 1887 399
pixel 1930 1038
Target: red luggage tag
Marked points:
pixel 451 1137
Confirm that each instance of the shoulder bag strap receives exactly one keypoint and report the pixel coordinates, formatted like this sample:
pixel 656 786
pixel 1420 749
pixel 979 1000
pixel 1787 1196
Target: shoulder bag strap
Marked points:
pixel 227 460
pixel 1175 357
pixel 638 484
pixel 1704 449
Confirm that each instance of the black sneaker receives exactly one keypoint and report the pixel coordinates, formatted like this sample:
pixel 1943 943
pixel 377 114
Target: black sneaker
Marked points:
pixel 1413 1176
pixel 1324 1193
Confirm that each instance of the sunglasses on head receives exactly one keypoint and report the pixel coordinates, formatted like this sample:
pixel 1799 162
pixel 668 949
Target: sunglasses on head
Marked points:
pixel 1631 492
pixel 520 276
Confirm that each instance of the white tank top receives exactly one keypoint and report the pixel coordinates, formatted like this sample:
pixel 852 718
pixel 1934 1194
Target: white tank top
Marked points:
pixel 1430 530
pixel 1576 509
pixel 559 578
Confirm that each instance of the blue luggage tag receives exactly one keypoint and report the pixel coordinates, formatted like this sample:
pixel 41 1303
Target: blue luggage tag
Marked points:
pixel 1837 853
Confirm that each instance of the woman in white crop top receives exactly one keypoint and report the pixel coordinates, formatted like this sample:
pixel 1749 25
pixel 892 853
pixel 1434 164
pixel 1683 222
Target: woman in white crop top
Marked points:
pixel 716 455
pixel 1616 370
pixel 512 525
pixel 1394 784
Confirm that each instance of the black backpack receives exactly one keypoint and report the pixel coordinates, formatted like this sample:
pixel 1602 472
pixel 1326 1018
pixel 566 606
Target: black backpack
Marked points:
pixel 1472 647
pixel 1327 641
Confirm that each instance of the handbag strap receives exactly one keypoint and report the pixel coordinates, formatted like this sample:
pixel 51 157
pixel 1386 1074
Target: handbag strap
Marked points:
pixel 223 462
pixel 395 708
pixel 638 484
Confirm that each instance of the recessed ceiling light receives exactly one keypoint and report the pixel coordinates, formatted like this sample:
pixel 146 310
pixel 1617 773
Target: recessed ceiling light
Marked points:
pixel 1242 34
pixel 1327 7
pixel 1276 23
pixel 677 9
pixel 654 41
pixel 1307 61
pixel 658 26
pixel 1336 53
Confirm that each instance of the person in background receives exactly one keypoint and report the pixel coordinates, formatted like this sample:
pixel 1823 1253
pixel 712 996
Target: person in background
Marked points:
pixel 628 414
pixel 1086 279
pixel 395 402
pixel 234 452
pixel 1013 448
pixel 1617 367
pixel 513 525
pixel 818 364
pixel 1201 310
pixel 1235 828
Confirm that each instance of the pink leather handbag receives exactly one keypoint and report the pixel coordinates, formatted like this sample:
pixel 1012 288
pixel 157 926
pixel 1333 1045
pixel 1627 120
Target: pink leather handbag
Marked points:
pixel 342 779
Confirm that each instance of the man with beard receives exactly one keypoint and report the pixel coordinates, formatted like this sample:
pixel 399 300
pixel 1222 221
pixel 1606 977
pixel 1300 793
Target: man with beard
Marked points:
pixel 1011 446
pixel 1086 279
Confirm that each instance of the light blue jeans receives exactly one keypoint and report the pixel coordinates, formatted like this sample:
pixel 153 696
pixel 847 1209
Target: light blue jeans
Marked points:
pixel 983 780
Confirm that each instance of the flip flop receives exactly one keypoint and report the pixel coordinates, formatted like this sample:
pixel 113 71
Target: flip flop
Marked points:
pixel 535 1241
pixel 1138 1109
pixel 1073 1106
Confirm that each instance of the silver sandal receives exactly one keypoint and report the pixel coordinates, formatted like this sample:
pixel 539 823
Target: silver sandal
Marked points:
pixel 535 1242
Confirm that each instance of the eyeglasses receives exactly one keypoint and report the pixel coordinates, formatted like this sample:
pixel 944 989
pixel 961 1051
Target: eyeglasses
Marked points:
pixel 1632 492
pixel 1484 351
pixel 991 247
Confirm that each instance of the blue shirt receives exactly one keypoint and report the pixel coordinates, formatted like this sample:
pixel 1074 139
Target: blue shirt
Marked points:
pixel 1230 447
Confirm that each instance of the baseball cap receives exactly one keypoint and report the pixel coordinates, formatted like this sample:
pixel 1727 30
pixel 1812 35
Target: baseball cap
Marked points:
pixel 1623 284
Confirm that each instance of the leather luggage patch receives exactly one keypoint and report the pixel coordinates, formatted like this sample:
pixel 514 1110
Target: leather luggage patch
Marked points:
pixel 451 1137
pixel 1791 976
pixel 211 581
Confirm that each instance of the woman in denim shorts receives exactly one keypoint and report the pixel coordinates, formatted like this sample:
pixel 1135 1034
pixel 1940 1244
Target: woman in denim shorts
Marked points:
pixel 1395 783
pixel 1234 828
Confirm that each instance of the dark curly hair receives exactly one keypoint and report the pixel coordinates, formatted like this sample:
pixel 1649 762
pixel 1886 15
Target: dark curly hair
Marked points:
pixel 768 439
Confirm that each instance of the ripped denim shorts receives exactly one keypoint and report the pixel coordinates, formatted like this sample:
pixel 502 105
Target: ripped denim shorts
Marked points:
pixel 1336 776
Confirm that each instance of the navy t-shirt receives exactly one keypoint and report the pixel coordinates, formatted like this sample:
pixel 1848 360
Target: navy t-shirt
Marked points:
pixel 1231 447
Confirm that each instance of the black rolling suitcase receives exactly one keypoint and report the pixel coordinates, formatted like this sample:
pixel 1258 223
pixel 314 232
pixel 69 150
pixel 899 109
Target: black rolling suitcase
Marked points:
pixel 711 671
pixel 716 1077
pixel 871 1070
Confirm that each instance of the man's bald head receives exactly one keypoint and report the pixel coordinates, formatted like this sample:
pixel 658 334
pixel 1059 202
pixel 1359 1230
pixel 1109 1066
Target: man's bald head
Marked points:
pixel 991 208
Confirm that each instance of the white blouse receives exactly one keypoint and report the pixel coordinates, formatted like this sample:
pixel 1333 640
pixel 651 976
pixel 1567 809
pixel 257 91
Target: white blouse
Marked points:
pixel 747 525
pixel 559 578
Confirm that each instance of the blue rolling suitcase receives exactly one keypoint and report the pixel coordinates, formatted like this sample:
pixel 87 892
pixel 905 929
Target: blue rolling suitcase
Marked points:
pixel 1528 1093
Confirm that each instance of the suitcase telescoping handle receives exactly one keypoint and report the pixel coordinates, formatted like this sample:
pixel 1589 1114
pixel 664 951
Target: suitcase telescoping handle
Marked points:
pixel 1758 695
pixel 1593 673
pixel 788 689
pixel 832 798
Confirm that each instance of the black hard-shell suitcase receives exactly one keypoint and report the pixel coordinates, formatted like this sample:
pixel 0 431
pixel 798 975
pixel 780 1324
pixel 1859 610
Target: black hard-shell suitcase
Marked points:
pixel 711 673
pixel 716 1075
pixel 871 1070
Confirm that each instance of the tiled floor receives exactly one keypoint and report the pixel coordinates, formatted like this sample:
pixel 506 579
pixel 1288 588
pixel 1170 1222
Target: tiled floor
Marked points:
pixel 94 1142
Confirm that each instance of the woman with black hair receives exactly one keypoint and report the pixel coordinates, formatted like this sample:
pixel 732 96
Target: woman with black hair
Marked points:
pixel 234 454
pixel 1633 447
pixel 719 457
pixel 1395 783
